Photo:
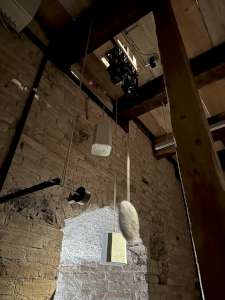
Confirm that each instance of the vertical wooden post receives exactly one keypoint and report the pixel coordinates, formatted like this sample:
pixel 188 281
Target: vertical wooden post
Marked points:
pixel 201 174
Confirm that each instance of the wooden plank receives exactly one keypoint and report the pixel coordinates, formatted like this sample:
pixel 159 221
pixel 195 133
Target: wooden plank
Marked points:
pixel 192 27
pixel 214 16
pixel 162 152
pixel 152 123
pixel 141 39
pixel 207 68
pixel 149 96
pixel 202 176
pixel 217 131
pixel 97 77
pixel 214 96
pixel 74 8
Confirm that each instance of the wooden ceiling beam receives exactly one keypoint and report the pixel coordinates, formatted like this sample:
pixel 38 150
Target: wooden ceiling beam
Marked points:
pixel 164 145
pixel 206 68
pixel 106 19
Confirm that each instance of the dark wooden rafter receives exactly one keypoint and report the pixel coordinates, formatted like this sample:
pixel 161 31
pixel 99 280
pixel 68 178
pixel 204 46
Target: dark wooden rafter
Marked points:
pixel 202 176
pixel 164 146
pixel 206 68
pixel 108 18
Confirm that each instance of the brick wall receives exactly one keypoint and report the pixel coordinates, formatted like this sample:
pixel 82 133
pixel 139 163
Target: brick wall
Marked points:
pixel 29 258
pixel 155 191
pixel 82 272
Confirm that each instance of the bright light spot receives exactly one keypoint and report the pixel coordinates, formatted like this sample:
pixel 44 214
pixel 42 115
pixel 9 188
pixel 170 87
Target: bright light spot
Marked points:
pixel 105 62
pixel 126 50
pixel 75 74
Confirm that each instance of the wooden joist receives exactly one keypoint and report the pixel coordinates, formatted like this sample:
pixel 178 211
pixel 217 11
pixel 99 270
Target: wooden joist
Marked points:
pixel 201 174
pixel 206 68
pixel 165 146
pixel 104 19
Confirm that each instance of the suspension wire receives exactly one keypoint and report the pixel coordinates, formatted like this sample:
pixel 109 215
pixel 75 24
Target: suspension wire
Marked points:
pixel 115 176
pixel 114 201
pixel 128 163
pixel 84 65
pixel 86 53
pixel 62 181
pixel 190 230
pixel 164 116
pixel 103 112
pixel 75 118
pixel 204 22
pixel 188 217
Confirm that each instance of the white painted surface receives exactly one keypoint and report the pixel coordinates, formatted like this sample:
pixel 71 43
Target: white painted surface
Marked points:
pixel 82 240
pixel 81 277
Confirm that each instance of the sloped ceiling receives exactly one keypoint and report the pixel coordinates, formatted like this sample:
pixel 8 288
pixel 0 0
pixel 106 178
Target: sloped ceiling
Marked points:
pixel 75 7
pixel 202 26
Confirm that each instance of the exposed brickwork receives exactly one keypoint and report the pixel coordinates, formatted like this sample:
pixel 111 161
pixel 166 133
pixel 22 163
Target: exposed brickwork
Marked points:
pixel 29 258
pixel 95 281
pixel 155 191
pixel 83 273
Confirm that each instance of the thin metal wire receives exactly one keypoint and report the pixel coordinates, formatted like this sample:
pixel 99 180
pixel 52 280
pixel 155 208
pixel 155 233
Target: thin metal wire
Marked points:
pixel 187 211
pixel 114 201
pixel 190 229
pixel 164 116
pixel 62 182
pixel 74 119
pixel 84 65
pixel 128 164
pixel 115 176
pixel 204 22
pixel 86 53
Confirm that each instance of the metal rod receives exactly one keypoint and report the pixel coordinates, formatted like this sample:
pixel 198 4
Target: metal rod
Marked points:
pixel 20 125
pixel 38 187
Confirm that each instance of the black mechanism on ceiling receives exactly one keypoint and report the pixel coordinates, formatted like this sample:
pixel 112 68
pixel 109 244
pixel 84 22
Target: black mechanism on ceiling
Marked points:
pixel 121 71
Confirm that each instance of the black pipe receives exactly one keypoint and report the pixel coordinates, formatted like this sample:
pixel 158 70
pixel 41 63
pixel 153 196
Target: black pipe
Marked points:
pixel 21 123
pixel 53 295
pixel 35 40
pixel 29 190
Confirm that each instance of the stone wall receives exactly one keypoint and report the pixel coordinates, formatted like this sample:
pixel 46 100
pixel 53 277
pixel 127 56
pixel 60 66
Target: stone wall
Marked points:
pixel 82 272
pixel 29 258
pixel 41 153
